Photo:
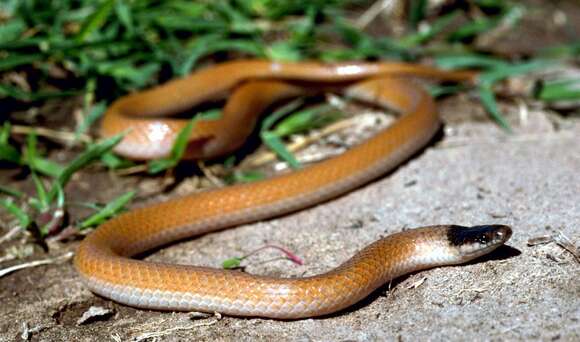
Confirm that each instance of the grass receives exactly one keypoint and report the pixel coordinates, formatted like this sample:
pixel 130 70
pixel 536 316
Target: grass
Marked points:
pixel 43 212
pixel 100 50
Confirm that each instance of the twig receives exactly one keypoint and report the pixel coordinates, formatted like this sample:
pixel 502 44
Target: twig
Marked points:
pixel 14 268
pixel 11 233
pixel 417 283
pixel 67 137
pixel 169 331
pixel 540 240
pixel 208 173
pixel 565 242
pixel 131 170
pixel 268 157
pixel 560 239
pixel 289 255
pixel 372 12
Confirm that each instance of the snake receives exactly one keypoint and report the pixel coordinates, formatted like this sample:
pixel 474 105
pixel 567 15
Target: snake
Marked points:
pixel 105 258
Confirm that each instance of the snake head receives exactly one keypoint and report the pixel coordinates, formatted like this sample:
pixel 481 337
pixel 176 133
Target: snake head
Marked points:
pixel 472 242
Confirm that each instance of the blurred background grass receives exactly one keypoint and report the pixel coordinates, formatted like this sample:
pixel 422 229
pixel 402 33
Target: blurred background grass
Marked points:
pixel 110 47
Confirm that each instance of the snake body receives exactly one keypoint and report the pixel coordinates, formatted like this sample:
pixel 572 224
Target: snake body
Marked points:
pixel 103 258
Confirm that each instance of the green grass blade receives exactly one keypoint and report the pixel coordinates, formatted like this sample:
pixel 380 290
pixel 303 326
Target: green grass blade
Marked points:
pixel 431 31
pixel 123 12
pixel 417 12
pixel 11 192
pixel 5 132
pixel 177 151
pixel 489 78
pixel 284 51
pixel 362 46
pixel 270 120
pixel 37 163
pixel 559 90
pixel 11 30
pixel 55 221
pixel 31 151
pixel 271 140
pixel 210 44
pixel 41 193
pixel 444 90
pixel 182 140
pixel 490 104
pixel 561 51
pixel 127 73
pixel 95 21
pixel 231 263
pixel 464 61
pixel 60 197
pixel 509 70
pixel 22 217
pixel 92 153
pixel 94 113
pixel 248 176
pixel 115 162
pixel 277 146
pixel 473 28
pixel 19 94
pixel 307 119
pixel 109 210
pixel 8 152
pixel 46 167
pixel 14 60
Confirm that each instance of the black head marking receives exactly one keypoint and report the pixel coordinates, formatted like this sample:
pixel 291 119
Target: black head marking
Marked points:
pixel 459 235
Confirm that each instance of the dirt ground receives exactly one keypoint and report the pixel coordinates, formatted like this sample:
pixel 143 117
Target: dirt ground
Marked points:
pixel 472 174
pixel 475 174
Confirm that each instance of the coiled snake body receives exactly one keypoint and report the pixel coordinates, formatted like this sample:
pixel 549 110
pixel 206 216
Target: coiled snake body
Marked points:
pixel 103 259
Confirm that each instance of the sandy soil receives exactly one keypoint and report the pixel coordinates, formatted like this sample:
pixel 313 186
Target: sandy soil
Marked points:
pixel 474 174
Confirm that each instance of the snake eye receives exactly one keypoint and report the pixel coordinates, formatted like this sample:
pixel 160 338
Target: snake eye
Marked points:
pixel 501 234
